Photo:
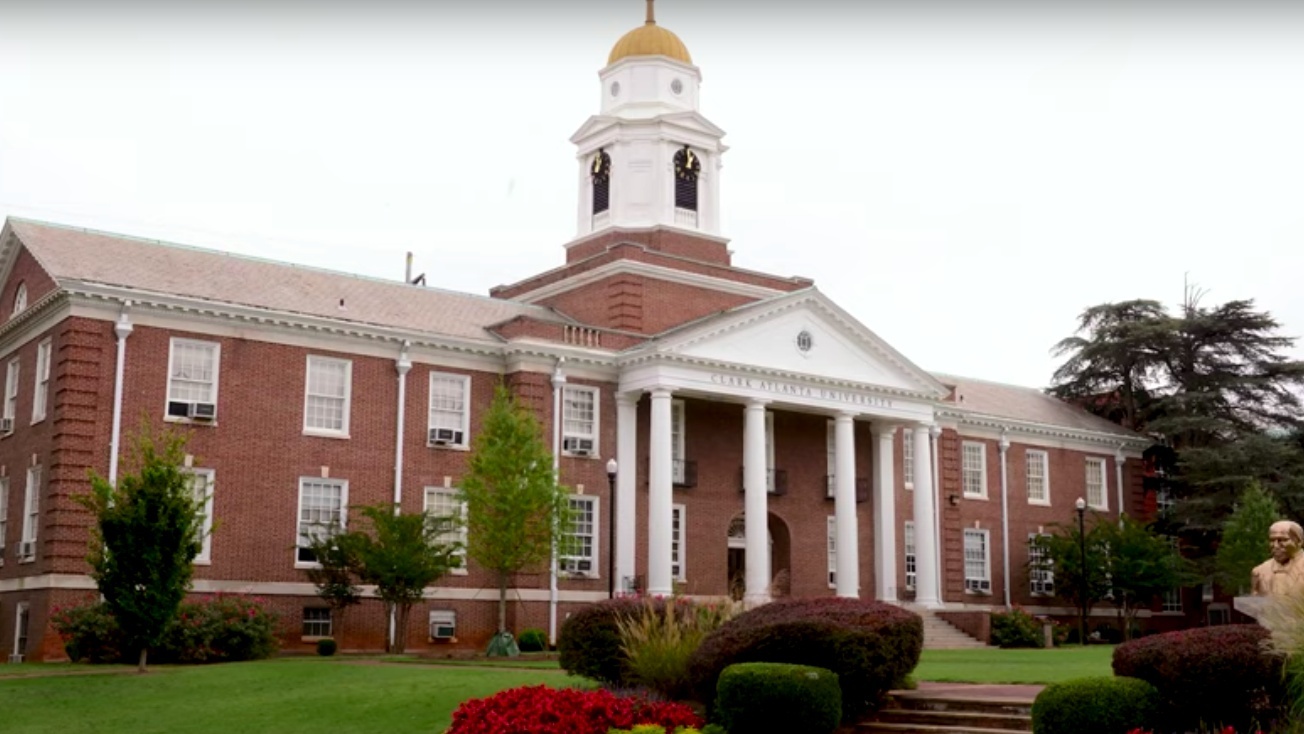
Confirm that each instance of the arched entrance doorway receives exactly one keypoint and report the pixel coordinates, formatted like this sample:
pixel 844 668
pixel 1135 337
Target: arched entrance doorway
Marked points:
pixel 779 547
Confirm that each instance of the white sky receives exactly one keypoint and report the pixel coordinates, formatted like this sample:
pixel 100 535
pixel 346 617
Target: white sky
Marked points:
pixel 964 178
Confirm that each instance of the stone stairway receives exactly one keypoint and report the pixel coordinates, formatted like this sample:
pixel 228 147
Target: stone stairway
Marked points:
pixel 930 712
pixel 942 635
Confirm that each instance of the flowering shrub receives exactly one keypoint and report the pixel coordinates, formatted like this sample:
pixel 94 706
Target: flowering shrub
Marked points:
pixel 544 710
pixel 1016 628
pixel 89 632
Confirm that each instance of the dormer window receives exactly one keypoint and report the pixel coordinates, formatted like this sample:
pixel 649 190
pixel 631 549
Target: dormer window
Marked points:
pixel 687 167
pixel 601 173
pixel 20 300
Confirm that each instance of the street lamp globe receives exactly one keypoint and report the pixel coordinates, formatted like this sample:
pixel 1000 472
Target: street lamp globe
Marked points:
pixel 1081 504
pixel 612 467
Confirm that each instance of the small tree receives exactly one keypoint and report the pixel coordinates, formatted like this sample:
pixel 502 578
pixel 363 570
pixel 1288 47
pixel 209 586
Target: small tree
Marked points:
pixel 1083 582
pixel 515 508
pixel 147 533
pixel 1141 565
pixel 1245 538
pixel 401 555
pixel 334 577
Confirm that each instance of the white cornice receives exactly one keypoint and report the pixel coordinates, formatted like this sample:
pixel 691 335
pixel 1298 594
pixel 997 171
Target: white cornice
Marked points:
pixel 658 272
pixel 1106 442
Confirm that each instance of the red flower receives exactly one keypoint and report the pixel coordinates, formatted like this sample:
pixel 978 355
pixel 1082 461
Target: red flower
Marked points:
pixel 543 710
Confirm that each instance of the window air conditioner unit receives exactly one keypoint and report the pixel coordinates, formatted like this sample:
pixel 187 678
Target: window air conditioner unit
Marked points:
pixel 27 549
pixel 178 409
pixel 15 658
pixel 576 565
pixel 443 625
pixel 202 411
pixel 577 446
pixel 6 425
pixel 445 437
pixel 979 585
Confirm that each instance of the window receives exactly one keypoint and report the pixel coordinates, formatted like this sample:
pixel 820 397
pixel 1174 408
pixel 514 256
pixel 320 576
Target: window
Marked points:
pixel 977 569
pixel 908 457
pixel 1172 601
pixel 192 379
pixel 201 482
pixel 974 469
pixel 678 570
pixel 1041 572
pixel 600 170
pixel 21 620
pixel 321 512
pixel 20 300
pixel 4 516
pixel 909 536
pixel 831 454
pixel 444 502
pixel 316 622
pixel 450 396
pixel 1097 489
pixel 326 406
pixel 31 514
pixel 687 167
pixel 580 548
pixel 11 396
pixel 1164 499
pixel 833 551
pixel 1038 465
pixel 579 417
pixel 42 394
pixel 679 467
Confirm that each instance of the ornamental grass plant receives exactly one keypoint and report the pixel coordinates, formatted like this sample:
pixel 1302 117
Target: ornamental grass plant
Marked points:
pixel 659 641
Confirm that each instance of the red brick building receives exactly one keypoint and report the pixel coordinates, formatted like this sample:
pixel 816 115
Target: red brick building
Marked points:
pixel 767 441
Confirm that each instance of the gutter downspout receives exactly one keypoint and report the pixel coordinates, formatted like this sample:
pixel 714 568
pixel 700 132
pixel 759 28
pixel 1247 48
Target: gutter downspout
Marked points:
pixel 123 330
pixel 1118 480
pixel 934 431
pixel 558 383
pixel 402 365
pixel 1005 517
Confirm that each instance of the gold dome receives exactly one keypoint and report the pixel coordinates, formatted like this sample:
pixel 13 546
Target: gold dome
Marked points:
pixel 649 39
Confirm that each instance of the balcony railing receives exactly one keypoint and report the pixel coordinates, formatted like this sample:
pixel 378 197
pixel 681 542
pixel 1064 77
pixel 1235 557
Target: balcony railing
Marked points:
pixel 776 481
pixel 683 473
pixel 862 488
pixel 685 217
pixel 601 219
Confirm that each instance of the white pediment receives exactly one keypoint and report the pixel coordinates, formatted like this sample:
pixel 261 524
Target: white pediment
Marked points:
pixel 802 334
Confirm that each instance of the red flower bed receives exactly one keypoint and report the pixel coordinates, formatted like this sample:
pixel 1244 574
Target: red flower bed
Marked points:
pixel 544 710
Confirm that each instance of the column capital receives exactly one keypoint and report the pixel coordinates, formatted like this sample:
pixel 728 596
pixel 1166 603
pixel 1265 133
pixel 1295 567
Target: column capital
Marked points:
pixel 934 430
pixel 1004 444
pixel 627 398
pixel 845 416
pixel 660 392
pixel 881 429
pixel 756 403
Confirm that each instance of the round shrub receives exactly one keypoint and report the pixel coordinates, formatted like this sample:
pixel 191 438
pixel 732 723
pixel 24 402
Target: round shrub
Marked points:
pixel 89 632
pixel 1099 705
pixel 1016 628
pixel 326 647
pixel 871 646
pixel 771 697
pixel 532 640
pixel 544 710
pixel 589 641
pixel 1209 675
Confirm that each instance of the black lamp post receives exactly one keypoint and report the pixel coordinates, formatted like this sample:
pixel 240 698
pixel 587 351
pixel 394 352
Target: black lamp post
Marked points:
pixel 1081 506
pixel 612 467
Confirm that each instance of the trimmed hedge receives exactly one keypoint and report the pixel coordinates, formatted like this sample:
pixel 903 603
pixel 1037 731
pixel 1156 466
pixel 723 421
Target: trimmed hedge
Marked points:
pixel 1208 675
pixel 589 641
pixel 1099 705
pixel 778 697
pixel 326 647
pixel 871 646
pixel 532 640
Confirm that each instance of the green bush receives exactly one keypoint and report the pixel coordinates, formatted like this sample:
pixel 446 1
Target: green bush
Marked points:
pixel 89 633
pixel 326 647
pixel 658 642
pixel 1016 628
pixel 1101 705
pixel 758 698
pixel 532 640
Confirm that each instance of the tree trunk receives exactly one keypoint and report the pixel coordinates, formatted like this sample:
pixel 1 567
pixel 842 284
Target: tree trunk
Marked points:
pixel 401 627
pixel 502 603
pixel 140 665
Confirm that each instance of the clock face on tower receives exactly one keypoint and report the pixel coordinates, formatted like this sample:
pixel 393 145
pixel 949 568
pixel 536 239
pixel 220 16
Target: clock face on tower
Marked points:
pixel 687 164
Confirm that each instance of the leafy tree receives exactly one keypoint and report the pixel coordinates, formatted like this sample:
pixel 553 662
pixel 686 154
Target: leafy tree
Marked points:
pixel 334 577
pixel 1141 566
pixel 148 530
pixel 515 509
pixel 1244 542
pixel 1082 581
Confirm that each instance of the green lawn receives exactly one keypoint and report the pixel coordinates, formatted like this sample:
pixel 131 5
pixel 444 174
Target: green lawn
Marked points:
pixel 993 665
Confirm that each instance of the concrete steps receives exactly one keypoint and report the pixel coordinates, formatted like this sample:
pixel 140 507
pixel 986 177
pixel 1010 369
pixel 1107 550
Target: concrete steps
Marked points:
pixel 942 635
pixel 918 712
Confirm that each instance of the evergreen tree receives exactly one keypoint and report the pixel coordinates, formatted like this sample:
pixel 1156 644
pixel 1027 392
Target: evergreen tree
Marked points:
pixel 1244 542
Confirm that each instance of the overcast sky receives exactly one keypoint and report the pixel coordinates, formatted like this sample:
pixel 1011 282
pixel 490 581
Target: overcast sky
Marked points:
pixel 964 178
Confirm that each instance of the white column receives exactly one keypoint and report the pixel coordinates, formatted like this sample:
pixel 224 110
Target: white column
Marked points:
pixel 927 588
pixel 755 505
pixel 844 504
pixel 626 443
pixel 659 501
pixel 885 568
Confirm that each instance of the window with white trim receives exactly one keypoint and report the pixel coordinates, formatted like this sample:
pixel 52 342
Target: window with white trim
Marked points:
pixel 908 457
pixel 1172 601
pixel 580 547
pixel 973 469
pixel 1164 499
pixel 327 392
pixel 31 514
pixel 450 413
pixel 445 502
pixel 1038 470
pixel 41 396
pixel 201 483
pixel 4 516
pixel 833 551
pixel 1041 568
pixel 831 457
pixel 192 379
pixel 11 395
pixel 679 469
pixel 1097 484
pixel 977 564
pixel 678 558
pixel 909 536
pixel 20 300
pixel 579 421
pixel 21 622
pixel 316 622
pixel 321 513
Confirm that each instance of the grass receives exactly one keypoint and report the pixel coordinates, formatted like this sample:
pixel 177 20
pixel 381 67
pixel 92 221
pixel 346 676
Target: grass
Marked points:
pixel 286 696
pixel 993 665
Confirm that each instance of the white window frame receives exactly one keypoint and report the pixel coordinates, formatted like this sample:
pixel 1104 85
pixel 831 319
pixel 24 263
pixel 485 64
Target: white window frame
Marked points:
pixel 1104 482
pixel 298 515
pixel 1041 581
pixel 454 504
pixel 207 477
pixel 4 517
pixel 329 622
pixel 594 535
pixel 12 376
pixel 833 551
pixel 216 349
pixel 20 300
pixel 31 512
pixel 678 426
pixel 1164 500
pixel 968 450
pixel 343 430
pixel 830 458
pixel 22 627
pixel 464 420
pixel 41 393
pixel 1043 459
pixel 908 458
pixel 974 584
pixel 908 555
pixel 595 426
pixel 678 543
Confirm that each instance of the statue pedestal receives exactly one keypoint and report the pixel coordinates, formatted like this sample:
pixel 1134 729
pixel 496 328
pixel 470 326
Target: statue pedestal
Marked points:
pixel 1250 606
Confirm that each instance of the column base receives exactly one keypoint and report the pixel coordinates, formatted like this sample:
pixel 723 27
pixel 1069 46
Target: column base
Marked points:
pixel 751 601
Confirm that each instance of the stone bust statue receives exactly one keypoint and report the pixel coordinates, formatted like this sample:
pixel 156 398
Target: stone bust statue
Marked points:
pixel 1283 574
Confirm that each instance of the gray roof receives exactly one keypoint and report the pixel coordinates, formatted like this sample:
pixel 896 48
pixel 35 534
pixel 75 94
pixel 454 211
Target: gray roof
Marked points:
pixel 1026 404
pixel 78 255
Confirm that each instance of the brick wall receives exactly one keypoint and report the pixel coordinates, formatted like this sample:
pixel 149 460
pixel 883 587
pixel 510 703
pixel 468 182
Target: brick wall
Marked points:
pixel 642 304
